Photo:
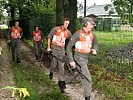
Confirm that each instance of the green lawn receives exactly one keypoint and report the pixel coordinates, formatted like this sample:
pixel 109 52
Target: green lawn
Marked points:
pixel 112 78
pixel 38 84
pixel 111 39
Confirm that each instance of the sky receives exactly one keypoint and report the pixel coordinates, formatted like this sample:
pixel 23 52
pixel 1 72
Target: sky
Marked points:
pixel 98 2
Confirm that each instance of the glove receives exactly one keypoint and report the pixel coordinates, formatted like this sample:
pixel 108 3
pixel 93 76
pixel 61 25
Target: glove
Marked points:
pixel 42 43
pixel 9 41
pixel 0 50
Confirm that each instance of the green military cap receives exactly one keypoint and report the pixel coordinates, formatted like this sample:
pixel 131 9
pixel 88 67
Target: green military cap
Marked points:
pixel 87 19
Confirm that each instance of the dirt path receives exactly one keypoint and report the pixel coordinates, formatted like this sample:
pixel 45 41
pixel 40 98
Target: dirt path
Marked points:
pixel 74 91
pixel 6 73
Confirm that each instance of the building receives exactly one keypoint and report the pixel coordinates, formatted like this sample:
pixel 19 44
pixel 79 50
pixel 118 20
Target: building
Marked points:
pixel 105 20
pixel 98 10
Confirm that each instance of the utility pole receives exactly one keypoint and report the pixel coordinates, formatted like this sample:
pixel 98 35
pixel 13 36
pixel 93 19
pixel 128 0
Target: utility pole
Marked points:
pixel 84 8
pixel 131 13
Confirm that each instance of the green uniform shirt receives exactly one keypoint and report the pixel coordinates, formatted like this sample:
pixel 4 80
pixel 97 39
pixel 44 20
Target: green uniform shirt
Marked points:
pixel 10 31
pixel 72 42
pixel 51 34
pixel 42 36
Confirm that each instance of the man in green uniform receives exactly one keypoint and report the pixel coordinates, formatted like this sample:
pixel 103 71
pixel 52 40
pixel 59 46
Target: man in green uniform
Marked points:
pixel 85 43
pixel 58 36
pixel 14 35
pixel 37 41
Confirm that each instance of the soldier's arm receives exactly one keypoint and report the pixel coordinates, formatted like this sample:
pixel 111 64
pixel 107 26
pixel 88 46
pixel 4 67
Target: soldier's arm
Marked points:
pixel 94 45
pixel 50 35
pixel 69 35
pixel 70 45
pixel 21 32
pixel 42 36
pixel 52 32
pixel 9 34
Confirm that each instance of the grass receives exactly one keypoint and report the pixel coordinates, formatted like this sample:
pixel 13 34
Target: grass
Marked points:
pixel 114 38
pixel 38 84
pixel 111 78
pixel 114 79
pixel 22 81
pixel 30 43
pixel 112 85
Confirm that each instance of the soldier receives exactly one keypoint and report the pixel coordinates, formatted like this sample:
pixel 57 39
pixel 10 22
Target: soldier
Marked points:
pixel 85 43
pixel 37 41
pixel 14 35
pixel 58 36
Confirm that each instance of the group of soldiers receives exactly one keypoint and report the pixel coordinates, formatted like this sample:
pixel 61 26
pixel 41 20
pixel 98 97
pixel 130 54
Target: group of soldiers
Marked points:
pixel 14 35
pixel 83 39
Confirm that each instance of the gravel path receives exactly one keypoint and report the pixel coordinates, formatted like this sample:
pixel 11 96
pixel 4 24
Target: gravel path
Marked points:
pixel 74 91
pixel 6 73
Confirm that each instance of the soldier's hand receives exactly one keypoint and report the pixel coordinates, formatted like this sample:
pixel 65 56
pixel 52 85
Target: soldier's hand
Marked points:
pixel 48 49
pixel 72 64
pixel 42 41
pixel 9 41
pixel 0 50
pixel 20 37
pixel 94 52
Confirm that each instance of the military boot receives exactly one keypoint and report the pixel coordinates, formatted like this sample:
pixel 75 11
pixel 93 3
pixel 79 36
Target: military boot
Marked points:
pixel 87 98
pixel 36 57
pixel 62 86
pixel 50 75
pixel 18 61
pixel 13 58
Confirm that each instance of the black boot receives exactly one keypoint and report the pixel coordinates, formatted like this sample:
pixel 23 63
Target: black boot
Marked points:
pixel 18 61
pixel 13 58
pixel 62 86
pixel 87 98
pixel 50 75
pixel 36 57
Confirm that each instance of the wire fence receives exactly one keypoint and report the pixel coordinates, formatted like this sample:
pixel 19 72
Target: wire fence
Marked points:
pixel 116 51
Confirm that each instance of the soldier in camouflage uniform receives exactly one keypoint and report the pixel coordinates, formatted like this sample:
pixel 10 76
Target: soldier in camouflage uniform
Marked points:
pixel 85 43
pixel 58 36
pixel 14 35
pixel 37 41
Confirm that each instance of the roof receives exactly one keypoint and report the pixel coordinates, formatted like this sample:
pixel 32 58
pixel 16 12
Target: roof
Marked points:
pixel 92 15
pixel 99 10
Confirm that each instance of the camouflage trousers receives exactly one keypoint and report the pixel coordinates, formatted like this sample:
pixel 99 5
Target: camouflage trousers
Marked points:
pixel 56 62
pixel 37 47
pixel 15 46
pixel 83 62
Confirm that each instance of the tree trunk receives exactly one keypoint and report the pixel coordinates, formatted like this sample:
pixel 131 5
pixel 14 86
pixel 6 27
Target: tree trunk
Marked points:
pixel 59 12
pixel 70 11
pixel 20 13
pixel 12 10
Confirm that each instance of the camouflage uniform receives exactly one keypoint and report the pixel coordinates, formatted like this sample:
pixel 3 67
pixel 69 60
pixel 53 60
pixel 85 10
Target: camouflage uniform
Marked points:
pixel 37 46
pixel 15 45
pixel 82 60
pixel 58 52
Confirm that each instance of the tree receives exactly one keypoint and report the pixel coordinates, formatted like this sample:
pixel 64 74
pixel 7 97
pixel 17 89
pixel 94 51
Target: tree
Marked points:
pixel 1 9
pixel 70 11
pixel 59 12
pixel 124 8
pixel 66 8
pixel 29 8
